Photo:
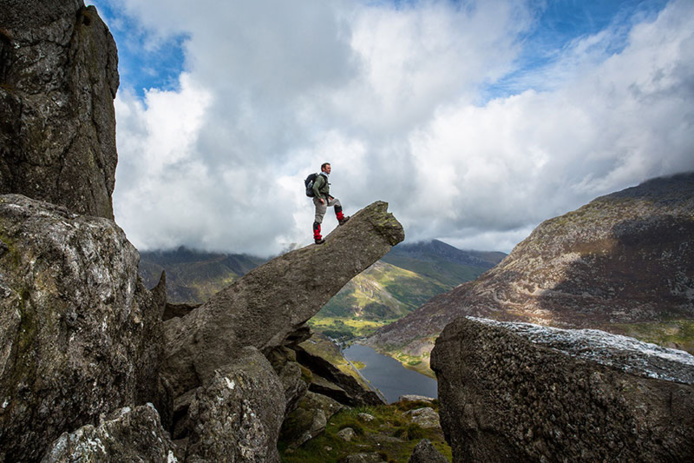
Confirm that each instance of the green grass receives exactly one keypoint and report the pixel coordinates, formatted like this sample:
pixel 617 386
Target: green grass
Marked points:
pixel 391 434
pixel 358 365
pixel 671 333
pixel 344 329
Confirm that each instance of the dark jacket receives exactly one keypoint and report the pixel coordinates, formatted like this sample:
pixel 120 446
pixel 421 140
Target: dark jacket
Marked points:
pixel 321 187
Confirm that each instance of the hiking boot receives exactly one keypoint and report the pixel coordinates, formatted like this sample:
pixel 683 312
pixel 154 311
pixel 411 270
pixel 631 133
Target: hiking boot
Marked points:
pixel 343 220
pixel 316 234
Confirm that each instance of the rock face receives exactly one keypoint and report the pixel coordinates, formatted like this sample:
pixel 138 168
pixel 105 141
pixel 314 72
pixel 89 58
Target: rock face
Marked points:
pixel 58 79
pixel 268 304
pixel 133 435
pixel 82 340
pixel 80 335
pixel 513 392
pixel 237 416
pixel 624 258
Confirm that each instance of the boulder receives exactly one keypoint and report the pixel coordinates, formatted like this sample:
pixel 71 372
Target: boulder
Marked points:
pixel 268 304
pixel 237 416
pixel 309 419
pixel 425 452
pixel 80 335
pixel 365 417
pixel 346 434
pixel 58 79
pixel 132 435
pixel 515 391
pixel 425 417
pixel 413 398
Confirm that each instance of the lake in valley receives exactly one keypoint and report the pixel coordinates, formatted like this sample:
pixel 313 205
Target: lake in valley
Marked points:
pixel 388 375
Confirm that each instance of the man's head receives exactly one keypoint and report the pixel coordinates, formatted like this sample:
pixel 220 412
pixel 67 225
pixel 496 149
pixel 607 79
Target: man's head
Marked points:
pixel 325 167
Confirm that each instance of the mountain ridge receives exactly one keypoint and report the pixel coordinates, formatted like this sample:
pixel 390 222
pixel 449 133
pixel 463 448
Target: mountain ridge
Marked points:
pixel 622 260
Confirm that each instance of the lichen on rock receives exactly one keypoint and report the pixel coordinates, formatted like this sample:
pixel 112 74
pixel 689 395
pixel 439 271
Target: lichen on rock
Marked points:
pixel 79 333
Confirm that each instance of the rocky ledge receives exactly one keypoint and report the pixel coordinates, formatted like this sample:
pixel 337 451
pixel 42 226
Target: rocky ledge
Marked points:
pixel 527 393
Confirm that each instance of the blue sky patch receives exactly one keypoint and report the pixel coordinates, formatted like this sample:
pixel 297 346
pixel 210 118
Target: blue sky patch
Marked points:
pixel 144 62
pixel 560 23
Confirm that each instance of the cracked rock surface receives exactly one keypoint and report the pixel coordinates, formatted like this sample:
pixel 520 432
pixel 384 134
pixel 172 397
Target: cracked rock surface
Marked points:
pixel 58 79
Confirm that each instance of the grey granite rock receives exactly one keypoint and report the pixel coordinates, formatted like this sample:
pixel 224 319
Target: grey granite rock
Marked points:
pixel 80 335
pixel 58 79
pixel 508 394
pixel 237 416
pixel 132 435
pixel 268 304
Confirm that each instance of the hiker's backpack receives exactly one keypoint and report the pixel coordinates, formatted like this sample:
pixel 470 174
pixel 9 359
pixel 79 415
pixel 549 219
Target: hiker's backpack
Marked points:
pixel 309 184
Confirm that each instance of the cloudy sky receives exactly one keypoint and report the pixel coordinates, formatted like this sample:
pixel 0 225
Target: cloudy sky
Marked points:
pixel 474 120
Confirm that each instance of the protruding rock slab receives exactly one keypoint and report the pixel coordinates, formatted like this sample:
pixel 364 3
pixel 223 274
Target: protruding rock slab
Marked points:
pixel 80 335
pixel 508 396
pixel 58 79
pixel 269 303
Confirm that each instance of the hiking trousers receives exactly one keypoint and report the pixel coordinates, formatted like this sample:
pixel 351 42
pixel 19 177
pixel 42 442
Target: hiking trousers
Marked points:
pixel 321 208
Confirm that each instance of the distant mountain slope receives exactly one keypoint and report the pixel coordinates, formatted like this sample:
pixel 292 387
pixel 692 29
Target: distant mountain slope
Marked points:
pixel 623 263
pixel 194 276
pixel 406 278
pixel 383 291
pixel 443 262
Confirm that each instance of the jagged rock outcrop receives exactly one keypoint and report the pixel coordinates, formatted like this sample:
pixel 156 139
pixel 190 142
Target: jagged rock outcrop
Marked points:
pixel 80 335
pixel 58 79
pixel 624 258
pixel 517 392
pixel 268 304
pixel 237 416
pixel 132 435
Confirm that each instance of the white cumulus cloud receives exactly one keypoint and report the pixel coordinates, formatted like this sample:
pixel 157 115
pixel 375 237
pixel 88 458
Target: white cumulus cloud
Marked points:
pixel 401 101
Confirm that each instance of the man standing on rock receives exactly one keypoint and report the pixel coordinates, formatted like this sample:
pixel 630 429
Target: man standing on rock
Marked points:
pixel 322 200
